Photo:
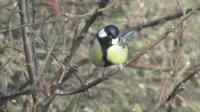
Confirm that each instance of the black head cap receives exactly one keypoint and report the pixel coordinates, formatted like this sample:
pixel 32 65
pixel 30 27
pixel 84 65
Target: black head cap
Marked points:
pixel 112 31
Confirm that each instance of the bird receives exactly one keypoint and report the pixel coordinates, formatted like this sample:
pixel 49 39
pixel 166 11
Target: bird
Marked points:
pixel 109 48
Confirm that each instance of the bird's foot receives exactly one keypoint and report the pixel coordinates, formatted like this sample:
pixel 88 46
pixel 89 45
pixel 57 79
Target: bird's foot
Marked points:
pixel 104 75
pixel 121 67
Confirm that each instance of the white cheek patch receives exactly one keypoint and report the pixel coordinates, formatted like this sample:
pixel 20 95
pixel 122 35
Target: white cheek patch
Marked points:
pixel 102 33
pixel 115 41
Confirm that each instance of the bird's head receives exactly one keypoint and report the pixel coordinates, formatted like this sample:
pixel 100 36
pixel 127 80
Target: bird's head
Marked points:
pixel 108 35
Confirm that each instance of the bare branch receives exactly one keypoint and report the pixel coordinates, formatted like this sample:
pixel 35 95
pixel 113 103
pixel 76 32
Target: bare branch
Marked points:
pixel 76 43
pixel 28 41
pixel 134 57
pixel 179 87
pixel 89 22
pixel 161 20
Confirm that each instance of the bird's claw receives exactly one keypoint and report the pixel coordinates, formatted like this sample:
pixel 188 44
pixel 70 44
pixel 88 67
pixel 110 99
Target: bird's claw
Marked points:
pixel 121 67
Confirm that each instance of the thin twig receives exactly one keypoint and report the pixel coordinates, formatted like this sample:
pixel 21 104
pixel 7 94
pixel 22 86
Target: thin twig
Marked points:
pixel 29 42
pixel 60 19
pixel 179 87
pixel 161 20
pixel 4 64
pixel 19 92
pixel 43 67
pixel 74 48
pixel 83 32
pixel 134 57
pixel 91 12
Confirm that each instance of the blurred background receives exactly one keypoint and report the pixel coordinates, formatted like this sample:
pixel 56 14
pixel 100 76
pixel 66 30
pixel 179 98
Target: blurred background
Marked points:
pixel 137 89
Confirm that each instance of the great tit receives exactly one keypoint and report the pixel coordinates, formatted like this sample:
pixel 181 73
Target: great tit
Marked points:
pixel 108 47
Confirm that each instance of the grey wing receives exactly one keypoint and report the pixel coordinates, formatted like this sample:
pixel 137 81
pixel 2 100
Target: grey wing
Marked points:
pixel 125 35
pixel 92 41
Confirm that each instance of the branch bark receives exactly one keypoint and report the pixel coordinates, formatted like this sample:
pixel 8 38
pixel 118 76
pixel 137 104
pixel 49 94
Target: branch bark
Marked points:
pixel 178 88
pixel 134 57
pixel 29 41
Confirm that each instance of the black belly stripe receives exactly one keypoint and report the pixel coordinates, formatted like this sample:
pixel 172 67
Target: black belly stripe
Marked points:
pixel 107 63
pixel 104 47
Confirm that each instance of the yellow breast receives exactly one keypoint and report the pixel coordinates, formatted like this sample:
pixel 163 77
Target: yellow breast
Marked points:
pixel 117 54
